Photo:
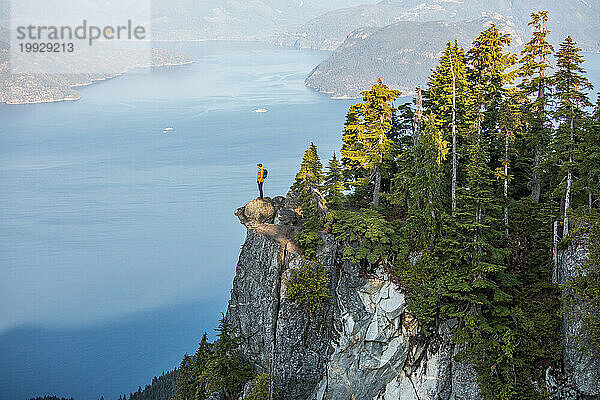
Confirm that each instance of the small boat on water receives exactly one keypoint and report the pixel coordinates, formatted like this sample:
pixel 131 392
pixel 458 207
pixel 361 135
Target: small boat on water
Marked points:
pixel 167 130
pixel 261 110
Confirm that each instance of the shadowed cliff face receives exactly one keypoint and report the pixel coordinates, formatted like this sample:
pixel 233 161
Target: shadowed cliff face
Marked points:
pixel 363 344
pixel 580 374
pixel 279 338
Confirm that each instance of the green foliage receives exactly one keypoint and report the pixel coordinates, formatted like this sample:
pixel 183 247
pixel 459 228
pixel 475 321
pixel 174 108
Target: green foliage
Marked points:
pixel 309 238
pixel 214 367
pixel 451 72
pixel 367 139
pixel 309 182
pixel 50 398
pixel 482 257
pixel 535 88
pixel 367 234
pixel 309 186
pixel 185 386
pixel 260 390
pixel 419 186
pixel 334 183
pixel 161 388
pixel 571 87
pixel 226 370
pixel 308 286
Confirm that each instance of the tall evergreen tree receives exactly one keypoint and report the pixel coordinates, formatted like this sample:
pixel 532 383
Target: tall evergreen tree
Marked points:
pixel 367 140
pixel 227 370
pixel 510 122
pixel 334 183
pixel 571 86
pixel 202 357
pixel 590 157
pixel 446 97
pixel 488 73
pixel 535 85
pixel 420 179
pixel 309 183
pixel 488 65
pixel 186 384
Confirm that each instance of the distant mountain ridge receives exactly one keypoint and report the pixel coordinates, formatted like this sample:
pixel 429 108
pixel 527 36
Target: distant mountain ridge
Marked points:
pixel 579 18
pixel 236 19
pixel 402 54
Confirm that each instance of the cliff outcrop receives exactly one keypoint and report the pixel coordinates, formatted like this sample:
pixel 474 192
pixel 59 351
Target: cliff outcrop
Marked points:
pixel 363 344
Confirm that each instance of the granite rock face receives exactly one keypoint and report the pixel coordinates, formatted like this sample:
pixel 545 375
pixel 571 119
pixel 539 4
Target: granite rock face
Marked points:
pixel 363 345
pixel 580 374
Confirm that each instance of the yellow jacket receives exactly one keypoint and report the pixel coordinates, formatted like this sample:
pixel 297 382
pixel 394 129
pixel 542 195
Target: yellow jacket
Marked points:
pixel 260 177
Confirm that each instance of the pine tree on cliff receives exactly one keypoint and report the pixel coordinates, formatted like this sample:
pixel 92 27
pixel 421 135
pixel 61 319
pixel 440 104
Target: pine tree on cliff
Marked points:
pixel 590 158
pixel 186 384
pixel 202 357
pixel 309 182
pixel 571 86
pixel 487 74
pixel 510 123
pixel 446 97
pixel 334 183
pixel 367 143
pixel 227 371
pixel 535 86
pixel 421 181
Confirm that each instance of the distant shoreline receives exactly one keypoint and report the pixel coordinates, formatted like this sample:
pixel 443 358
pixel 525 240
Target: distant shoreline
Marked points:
pixel 74 95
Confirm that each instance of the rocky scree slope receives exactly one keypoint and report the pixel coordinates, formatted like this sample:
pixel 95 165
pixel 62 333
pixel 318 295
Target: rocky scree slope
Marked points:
pixel 363 344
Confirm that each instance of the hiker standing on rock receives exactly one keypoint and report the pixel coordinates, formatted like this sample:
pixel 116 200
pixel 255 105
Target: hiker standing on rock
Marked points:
pixel 260 178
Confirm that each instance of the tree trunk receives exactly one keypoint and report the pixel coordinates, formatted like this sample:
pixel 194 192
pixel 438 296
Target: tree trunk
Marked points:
pixel 454 158
pixel 418 118
pixel 536 183
pixel 377 187
pixel 569 184
pixel 555 250
pixel 506 184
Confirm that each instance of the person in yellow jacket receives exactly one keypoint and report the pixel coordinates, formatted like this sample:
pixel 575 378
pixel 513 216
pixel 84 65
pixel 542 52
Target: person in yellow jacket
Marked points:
pixel 260 178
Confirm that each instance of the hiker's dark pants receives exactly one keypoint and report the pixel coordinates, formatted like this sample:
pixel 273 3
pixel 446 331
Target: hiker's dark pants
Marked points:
pixel 260 189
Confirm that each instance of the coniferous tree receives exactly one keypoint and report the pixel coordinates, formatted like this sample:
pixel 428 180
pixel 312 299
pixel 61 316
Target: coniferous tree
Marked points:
pixel 185 386
pixel 421 179
pixel 571 87
pixel 488 74
pixel 590 157
pixel 446 97
pixel 509 124
pixel 334 183
pixel 367 140
pixel 202 358
pixel 535 86
pixel 227 370
pixel 488 64
pixel 309 183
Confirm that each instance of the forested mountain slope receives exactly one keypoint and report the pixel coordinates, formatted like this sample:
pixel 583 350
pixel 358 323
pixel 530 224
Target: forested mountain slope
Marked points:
pixel 402 54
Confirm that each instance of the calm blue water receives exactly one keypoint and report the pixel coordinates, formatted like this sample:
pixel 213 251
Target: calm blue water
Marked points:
pixel 118 243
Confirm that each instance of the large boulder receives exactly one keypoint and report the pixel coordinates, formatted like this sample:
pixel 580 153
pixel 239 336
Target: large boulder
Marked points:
pixel 278 210
pixel 257 212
